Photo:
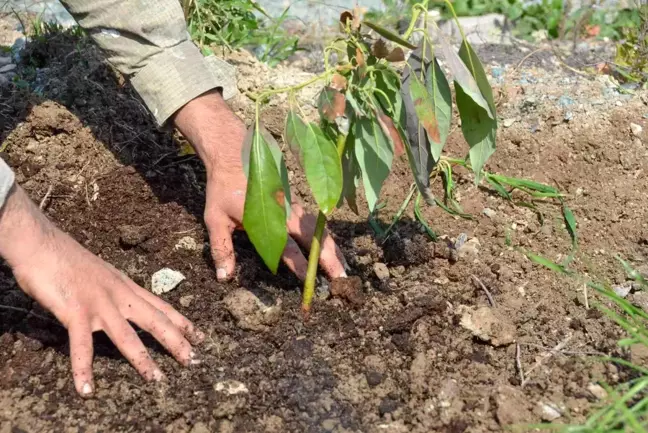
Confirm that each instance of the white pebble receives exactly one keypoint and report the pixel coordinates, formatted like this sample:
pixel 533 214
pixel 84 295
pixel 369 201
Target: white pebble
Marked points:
pixel 165 280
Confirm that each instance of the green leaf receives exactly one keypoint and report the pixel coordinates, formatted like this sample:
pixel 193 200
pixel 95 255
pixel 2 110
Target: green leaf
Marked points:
pixel 350 173
pixel 470 59
pixel 498 187
pixel 374 155
pixel 264 217
pixel 570 222
pixel 277 156
pixel 441 98
pixel 387 34
pixel 478 130
pixel 319 158
pixel 389 85
pixel 463 77
pixel 543 261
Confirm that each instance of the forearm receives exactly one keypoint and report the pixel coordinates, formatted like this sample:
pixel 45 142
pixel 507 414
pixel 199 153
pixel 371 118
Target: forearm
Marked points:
pixel 147 40
pixel 23 228
pixel 208 123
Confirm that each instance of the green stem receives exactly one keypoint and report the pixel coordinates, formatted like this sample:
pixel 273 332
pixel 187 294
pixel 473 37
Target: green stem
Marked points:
pixel 316 247
pixel 313 261
pixel 417 10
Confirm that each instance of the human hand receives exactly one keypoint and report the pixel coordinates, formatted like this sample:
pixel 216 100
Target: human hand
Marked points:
pixel 88 295
pixel 217 135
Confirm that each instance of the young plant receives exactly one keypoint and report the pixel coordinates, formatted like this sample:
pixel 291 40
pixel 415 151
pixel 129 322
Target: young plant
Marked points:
pixel 375 105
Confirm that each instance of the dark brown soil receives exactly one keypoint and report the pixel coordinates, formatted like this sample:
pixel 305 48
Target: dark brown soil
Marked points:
pixel 399 361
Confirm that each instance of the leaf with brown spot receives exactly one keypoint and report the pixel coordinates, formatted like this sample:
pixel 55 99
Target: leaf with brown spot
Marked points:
pixel 397 55
pixel 338 82
pixel 332 104
pixel 379 49
pixel 388 127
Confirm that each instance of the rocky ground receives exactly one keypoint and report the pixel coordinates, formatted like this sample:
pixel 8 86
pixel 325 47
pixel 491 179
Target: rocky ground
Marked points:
pixel 418 347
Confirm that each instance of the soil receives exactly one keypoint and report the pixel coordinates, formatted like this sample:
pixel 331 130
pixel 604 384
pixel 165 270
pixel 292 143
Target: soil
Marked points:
pixel 390 354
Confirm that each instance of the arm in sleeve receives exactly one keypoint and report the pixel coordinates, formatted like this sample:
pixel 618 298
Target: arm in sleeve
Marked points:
pixel 147 40
pixel 6 182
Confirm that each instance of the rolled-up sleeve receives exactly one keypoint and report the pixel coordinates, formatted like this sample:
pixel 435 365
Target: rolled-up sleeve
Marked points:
pixel 6 181
pixel 147 41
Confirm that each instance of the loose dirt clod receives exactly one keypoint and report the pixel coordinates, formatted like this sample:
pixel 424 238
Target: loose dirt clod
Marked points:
pixel 252 313
pixel 187 243
pixel 349 289
pixel 231 387
pixel 131 236
pixel 486 324
pixel 165 280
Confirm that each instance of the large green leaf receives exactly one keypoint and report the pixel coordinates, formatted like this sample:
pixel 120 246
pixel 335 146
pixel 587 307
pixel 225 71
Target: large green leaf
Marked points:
pixel 478 129
pixel 277 156
pixel 264 217
pixel 374 154
pixel 463 76
pixel 441 98
pixel 350 173
pixel 319 158
pixel 470 59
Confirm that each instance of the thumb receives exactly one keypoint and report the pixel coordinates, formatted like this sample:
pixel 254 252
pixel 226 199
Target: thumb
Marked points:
pixel 220 229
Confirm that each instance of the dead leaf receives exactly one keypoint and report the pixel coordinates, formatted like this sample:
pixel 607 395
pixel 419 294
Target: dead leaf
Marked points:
pixel 397 55
pixel 360 60
pixel 338 82
pixel 389 129
pixel 380 49
pixel 332 104
pixel 358 14
pixel 344 18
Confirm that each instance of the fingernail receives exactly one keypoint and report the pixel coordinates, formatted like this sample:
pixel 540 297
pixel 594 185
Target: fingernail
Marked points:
pixel 343 275
pixel 157 375
pixel 193 358
pixel 86 389
pixel 200 336
pixel 221 273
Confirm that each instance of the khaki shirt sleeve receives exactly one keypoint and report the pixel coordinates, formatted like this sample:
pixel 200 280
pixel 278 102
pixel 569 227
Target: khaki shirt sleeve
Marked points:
pixel 6 181
pixel 147 40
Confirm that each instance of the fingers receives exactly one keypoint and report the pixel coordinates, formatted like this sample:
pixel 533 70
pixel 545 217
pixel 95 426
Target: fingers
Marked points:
pixel 295 260
pixel 301 226
pixel 156 323
pixel 125 338
pixel 194 335
pixel 220 229
pixel 81 352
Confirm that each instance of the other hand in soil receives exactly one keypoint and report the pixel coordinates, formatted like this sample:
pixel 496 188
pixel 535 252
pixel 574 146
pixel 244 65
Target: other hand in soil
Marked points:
pixel 217 135
pixel 87 295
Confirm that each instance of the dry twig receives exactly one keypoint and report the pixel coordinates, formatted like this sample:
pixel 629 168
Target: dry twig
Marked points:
pixel 557 349
pixel 483 287
pixel 518 362
pixel 46 197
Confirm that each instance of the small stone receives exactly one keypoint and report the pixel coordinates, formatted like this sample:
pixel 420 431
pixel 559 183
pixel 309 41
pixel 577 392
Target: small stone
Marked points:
pixel 5 60
pixel 597 391
pixel 636 129
pixel 231 387
pixel 509 122
pixel 165 280
pixel 490 213
pixel 548 412
pixel 329 424
pixel 381 270
pixel 640 299
pixel 200 427
pixel 469 249
pixel 488 325
pixel 373 378
pixel 185 301
pixel 187 243
pixel 388 405
pixel 622 290
pixel 7 68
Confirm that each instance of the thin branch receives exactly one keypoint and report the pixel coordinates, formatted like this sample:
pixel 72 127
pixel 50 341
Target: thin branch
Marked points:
pixel 46 197
pixel 557 349
pixel 518 362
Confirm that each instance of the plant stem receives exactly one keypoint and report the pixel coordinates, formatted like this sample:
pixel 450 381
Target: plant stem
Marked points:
pixel 316 247
pixel 313 261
